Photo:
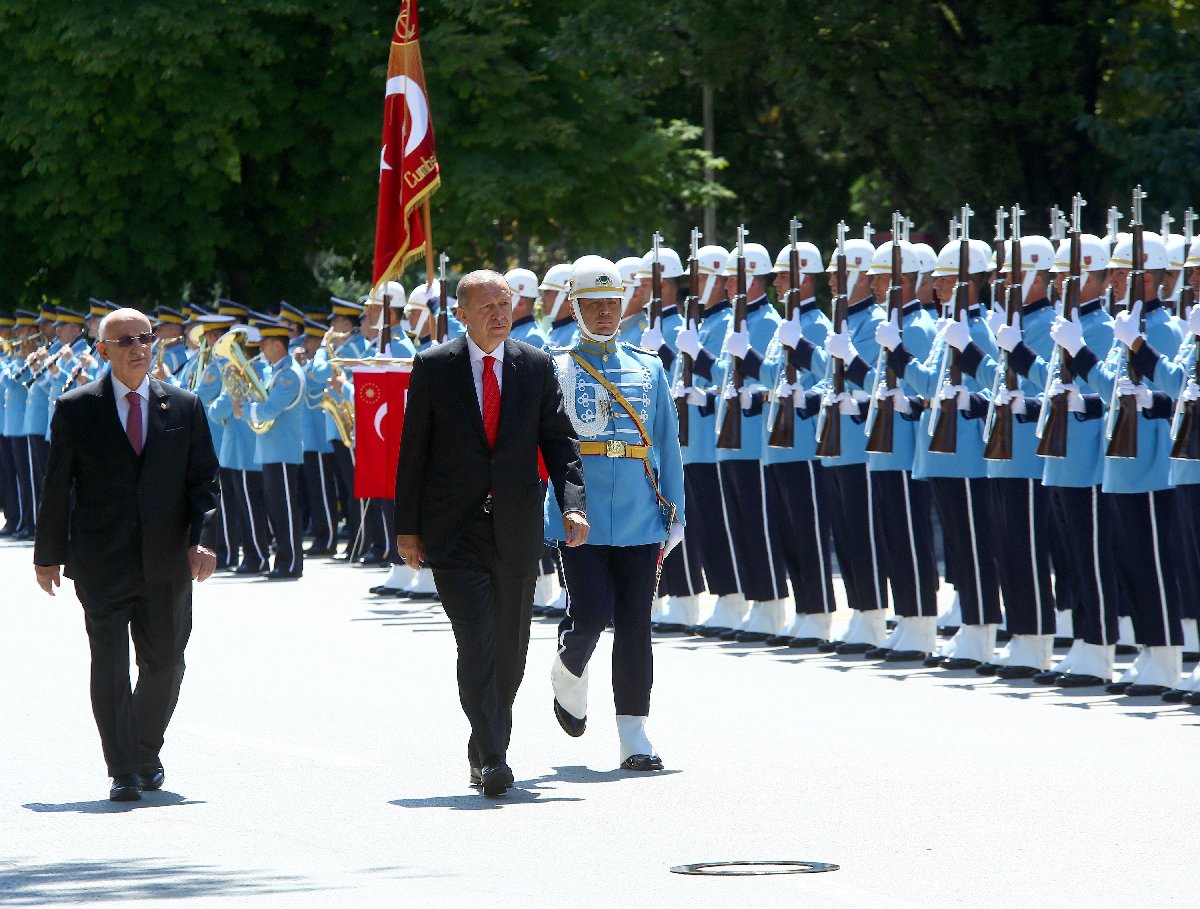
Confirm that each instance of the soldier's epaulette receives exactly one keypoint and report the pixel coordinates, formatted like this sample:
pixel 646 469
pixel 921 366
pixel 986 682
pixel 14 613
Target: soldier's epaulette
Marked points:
pixel 642 350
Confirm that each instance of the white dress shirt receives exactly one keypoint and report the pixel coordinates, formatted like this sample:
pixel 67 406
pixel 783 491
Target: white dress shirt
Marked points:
pixel 120 390
pixel 477 356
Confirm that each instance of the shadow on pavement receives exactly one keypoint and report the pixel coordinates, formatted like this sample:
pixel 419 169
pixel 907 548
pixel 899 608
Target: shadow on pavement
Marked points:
pixel 160 799
pixel 29 884
pixel 479 802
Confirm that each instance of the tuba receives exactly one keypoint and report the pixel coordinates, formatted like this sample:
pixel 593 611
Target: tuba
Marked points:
pixel 239 378
pixel 340 411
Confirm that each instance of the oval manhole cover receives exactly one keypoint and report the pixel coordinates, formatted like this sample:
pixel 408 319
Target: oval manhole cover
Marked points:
pixel 741 869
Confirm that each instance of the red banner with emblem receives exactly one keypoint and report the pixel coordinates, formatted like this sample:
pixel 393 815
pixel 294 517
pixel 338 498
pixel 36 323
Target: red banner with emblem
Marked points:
pixel 379 398
pixel 408 164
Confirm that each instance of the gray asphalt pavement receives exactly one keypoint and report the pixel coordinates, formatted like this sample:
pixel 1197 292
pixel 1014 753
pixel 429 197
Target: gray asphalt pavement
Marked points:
pixel 316 759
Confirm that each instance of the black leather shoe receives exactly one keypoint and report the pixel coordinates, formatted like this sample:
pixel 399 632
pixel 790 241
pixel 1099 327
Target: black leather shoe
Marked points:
pixel 933 661
pixel 1193 698
pixel 1003 635
pixel 382 591
pixel 553 612
pixel 570 725
pixel 828 646
pixel 904 656
pixel 803 643
pixel 1049 677
pixel 959 663
pixel 315 551
pixel 125 788
pixel 7 531
pixel 877 653
pixel 670 628
pixel 1078 680
pixel 844 649
pixel 1117 687
pixel 728 634
pixel 1127 650
pixel 278 574
pixel 947 631
pixel 778 640
pixel 250 568
pixel 496 778
pixel 642 762
pixel 987 669
pixel 1017 672
pixel 370 557
pixel 751 637
pixel 711 631
pixel 152 777
pixel 476 778
pixel 1174 696
pixel 1146 691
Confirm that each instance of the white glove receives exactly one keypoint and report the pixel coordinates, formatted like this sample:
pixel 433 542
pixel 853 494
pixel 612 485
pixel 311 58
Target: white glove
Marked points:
pixel 674 538
pixel 688 340
pixel 958 393
pixel 942 322
pixel 1068 333
pixel 745 397
pixel 839 345
pixel 887 334
pixel 958 334
pixel 1191 392
pixel 1014 398
pixel 737 343
pixel 899 399
pixel 1009 335
pixel 996 318
pixel 652 337
pixel 1126 325
pixel 846 403
pixel 784 390
pixel 1126 388
pixel 1194 320
pixel 696 396
pixel 789 331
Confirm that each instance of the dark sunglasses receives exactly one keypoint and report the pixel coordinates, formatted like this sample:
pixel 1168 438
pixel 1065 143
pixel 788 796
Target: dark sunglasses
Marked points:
pixel 146 338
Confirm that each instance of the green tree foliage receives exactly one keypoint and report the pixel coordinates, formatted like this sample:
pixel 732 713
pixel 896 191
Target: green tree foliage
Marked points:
pixel 149 149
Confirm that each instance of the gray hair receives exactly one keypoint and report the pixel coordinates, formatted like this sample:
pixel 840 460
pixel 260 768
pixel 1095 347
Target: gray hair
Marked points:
pixel 477 281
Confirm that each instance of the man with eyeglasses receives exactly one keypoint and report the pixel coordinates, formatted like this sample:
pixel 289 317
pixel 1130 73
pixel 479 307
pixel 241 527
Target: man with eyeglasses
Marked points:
pixel 131 484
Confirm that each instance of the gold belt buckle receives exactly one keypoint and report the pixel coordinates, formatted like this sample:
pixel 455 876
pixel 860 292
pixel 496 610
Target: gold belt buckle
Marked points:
pixel 614 448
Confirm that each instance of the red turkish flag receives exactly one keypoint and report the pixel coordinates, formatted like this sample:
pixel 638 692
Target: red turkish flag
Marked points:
pixel 408 164
pixel 379 398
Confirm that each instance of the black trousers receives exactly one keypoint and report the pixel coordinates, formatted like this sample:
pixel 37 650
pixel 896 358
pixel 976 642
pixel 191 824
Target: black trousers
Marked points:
pixel 802 528
pixel 612 584
pixel 321 492
pixel 964 506
pixel 760 566
pixel 1021 515
pixel 343 475
pixel 1187 512
pixel 38 448
pixel 24 473
pixel 229 519
pixel 252 515
pixel 379 518
pixel 1144 552
pixel 489 604
pixel 708 526
pixel 281 489
pixel 852 522
pixel 132 723
pixel 904 529
pixel 1082 519
pixel 683 569
pixel 10 502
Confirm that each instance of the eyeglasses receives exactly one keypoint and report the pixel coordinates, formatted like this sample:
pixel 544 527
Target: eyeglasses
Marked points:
pixel 146 338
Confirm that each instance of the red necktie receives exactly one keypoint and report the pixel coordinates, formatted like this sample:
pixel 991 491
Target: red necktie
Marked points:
pixel 133 424
pixel 491 401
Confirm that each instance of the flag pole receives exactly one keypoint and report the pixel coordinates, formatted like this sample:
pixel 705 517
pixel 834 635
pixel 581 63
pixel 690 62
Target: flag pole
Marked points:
pixel 428 245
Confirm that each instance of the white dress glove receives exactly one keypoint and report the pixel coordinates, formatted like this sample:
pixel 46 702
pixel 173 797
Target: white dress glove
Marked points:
pixel 688 341
pixel 887 334
pixel 789 331
pixel 839 345
pixel 1126 326
pixel 1009 335
pixel 652 337
pixel 958 334
pixel 1068 333
pixel 737 343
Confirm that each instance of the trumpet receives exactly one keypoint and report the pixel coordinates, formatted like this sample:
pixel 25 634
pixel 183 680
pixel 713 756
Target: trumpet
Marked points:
pixel 239 378
pixel 340 411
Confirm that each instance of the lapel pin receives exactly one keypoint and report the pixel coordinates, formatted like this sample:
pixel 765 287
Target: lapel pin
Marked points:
pixel 163 405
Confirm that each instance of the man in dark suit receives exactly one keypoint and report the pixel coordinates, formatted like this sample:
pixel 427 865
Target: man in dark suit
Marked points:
pixel 131 481
pixel 469 501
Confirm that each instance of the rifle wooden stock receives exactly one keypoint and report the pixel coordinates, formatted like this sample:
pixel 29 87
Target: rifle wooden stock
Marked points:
pixel 783 430
pixel 829 445
pixel 1053 443
pixel 691 313
pixel 945 437
pixel 1187 443
pixel 1124 440
pixel 730 435
pixel 882 437
pixel 999 445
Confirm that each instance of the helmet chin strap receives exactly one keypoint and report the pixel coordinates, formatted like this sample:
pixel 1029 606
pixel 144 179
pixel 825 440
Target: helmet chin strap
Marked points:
pixel 583 330
pixel 556 308
pixel 421 322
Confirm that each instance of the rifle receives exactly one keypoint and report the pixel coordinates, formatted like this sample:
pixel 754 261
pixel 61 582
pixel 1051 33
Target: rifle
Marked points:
pixel 1114 223
pixel 783 432
pixel 943 421
pixel 730 433
pixel 1057 225
pixel 998 430
pixel 1121 427
pixel 691 313
pixel 1052 421
pixel 656 283
pixel 1165 234
pixel 1185 427
pixel 441 328
pixel 881 413
pixel 829 424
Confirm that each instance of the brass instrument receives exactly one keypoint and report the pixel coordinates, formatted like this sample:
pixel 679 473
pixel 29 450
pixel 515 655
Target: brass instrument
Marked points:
pixel 340 411
pixel 161 348
pixel 203 355
pixel 239 378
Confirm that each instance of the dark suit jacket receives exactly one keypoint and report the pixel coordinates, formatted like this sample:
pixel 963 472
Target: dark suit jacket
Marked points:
pixel 446 468
pixel 117 521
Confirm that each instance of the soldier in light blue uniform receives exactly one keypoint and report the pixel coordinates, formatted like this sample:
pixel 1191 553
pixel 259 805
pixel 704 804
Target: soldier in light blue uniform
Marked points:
pixel 619 401
pixel 237 455
pixel 168 327
pixel 279 450
pixel 208 387
pixel 318 470
pixel 293 318
pixel 633 315
pixel 16 397
pixel 37 380
pixel 9 495
pixel 1143 499
pixel 796 488
pixel 661 337
pixel 564 330
pixel 524 286
pixel 71 328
